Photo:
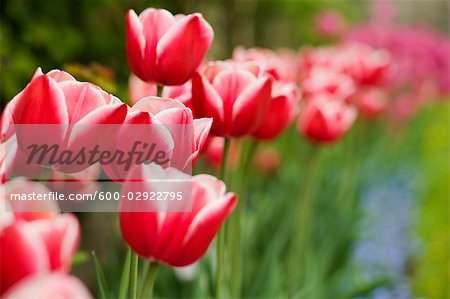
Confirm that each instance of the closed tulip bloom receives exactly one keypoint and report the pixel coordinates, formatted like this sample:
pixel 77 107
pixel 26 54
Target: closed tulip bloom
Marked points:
pixel 281 112
pixel 177 238
pixel 35 242
pixel 235 95
pixel 325 119
pixel 49 286
pixel 166 49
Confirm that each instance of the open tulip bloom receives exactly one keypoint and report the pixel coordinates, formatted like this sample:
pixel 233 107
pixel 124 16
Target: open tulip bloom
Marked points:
pixel 192 135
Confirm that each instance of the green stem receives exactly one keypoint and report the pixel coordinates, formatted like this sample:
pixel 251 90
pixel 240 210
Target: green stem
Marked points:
pixel 221 235
pixel 133 275
pixel 302 228
pixel 236 222
pixel 149 281
pixel 159 90
pixel 125 278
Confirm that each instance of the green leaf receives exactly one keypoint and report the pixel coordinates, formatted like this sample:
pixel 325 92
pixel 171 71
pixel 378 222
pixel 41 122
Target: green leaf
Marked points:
pixel 102 286
pixel 125 278
pixel 81 257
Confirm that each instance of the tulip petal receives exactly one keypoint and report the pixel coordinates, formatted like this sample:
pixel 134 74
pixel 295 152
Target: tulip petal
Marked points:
pixel 61 236
pixel 155 23
pixel 55 285
pixel 21 254
pixel 203 229
pixel 41 102
pixel 251 107
pixel 81 99
pixel 182 48
pixel 135 44
pixel 208 103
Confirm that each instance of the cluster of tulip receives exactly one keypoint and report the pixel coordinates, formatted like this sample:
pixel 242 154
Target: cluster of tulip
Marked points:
pixel 256 94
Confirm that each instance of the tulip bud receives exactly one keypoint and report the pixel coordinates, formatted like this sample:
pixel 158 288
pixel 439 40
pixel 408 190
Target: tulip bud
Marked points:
pixel 166 49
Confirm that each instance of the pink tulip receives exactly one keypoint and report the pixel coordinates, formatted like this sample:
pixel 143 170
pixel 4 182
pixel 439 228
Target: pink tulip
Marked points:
pixel 234 95
pixel 166 49
pixel 325 119
pixel 35 242
pixel 172 129
pixel 177 238
pixel 49 286
pixel 267 159
pixel 327 81
pixel 281 112
pixel 65 109
pixel 371 102
pixel 330 23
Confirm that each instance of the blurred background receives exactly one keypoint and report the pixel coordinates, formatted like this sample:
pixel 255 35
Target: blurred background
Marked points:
pixel 399 247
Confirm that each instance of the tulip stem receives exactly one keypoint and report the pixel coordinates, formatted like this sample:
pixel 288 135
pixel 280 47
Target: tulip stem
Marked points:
pixel 149 281
pixel 221 235
pixel 159 90
pixel 301 225
pixel 133 275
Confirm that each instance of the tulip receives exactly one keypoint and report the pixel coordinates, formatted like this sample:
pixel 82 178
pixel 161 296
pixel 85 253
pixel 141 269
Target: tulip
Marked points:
pixel 49 286
pixel 371 102
pixel 166 49
pixel 267 159
pixel 39 246
pixel 65 109
pixel 173 130
pixel 325 119
pixel 34 237
pixel 327 81
pixel 176 238
pixel 330 23
pixel 281 112
pixel 234 95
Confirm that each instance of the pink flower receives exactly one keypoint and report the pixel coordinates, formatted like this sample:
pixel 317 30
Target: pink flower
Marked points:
pixel 327 81
pixel 280 65
pixel 330 23
pixel 169 125
pixel 176 238
pixel 325 119
pixel 371 102
pixel 49 286
pixel 283 108
pixel 63 111
pixel 35 242
pixel 234 95
pixel 166 49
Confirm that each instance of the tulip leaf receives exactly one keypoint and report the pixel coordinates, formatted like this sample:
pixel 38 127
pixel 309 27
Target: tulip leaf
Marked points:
pixel 125 278
pixel 101 281
pixel 80 258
